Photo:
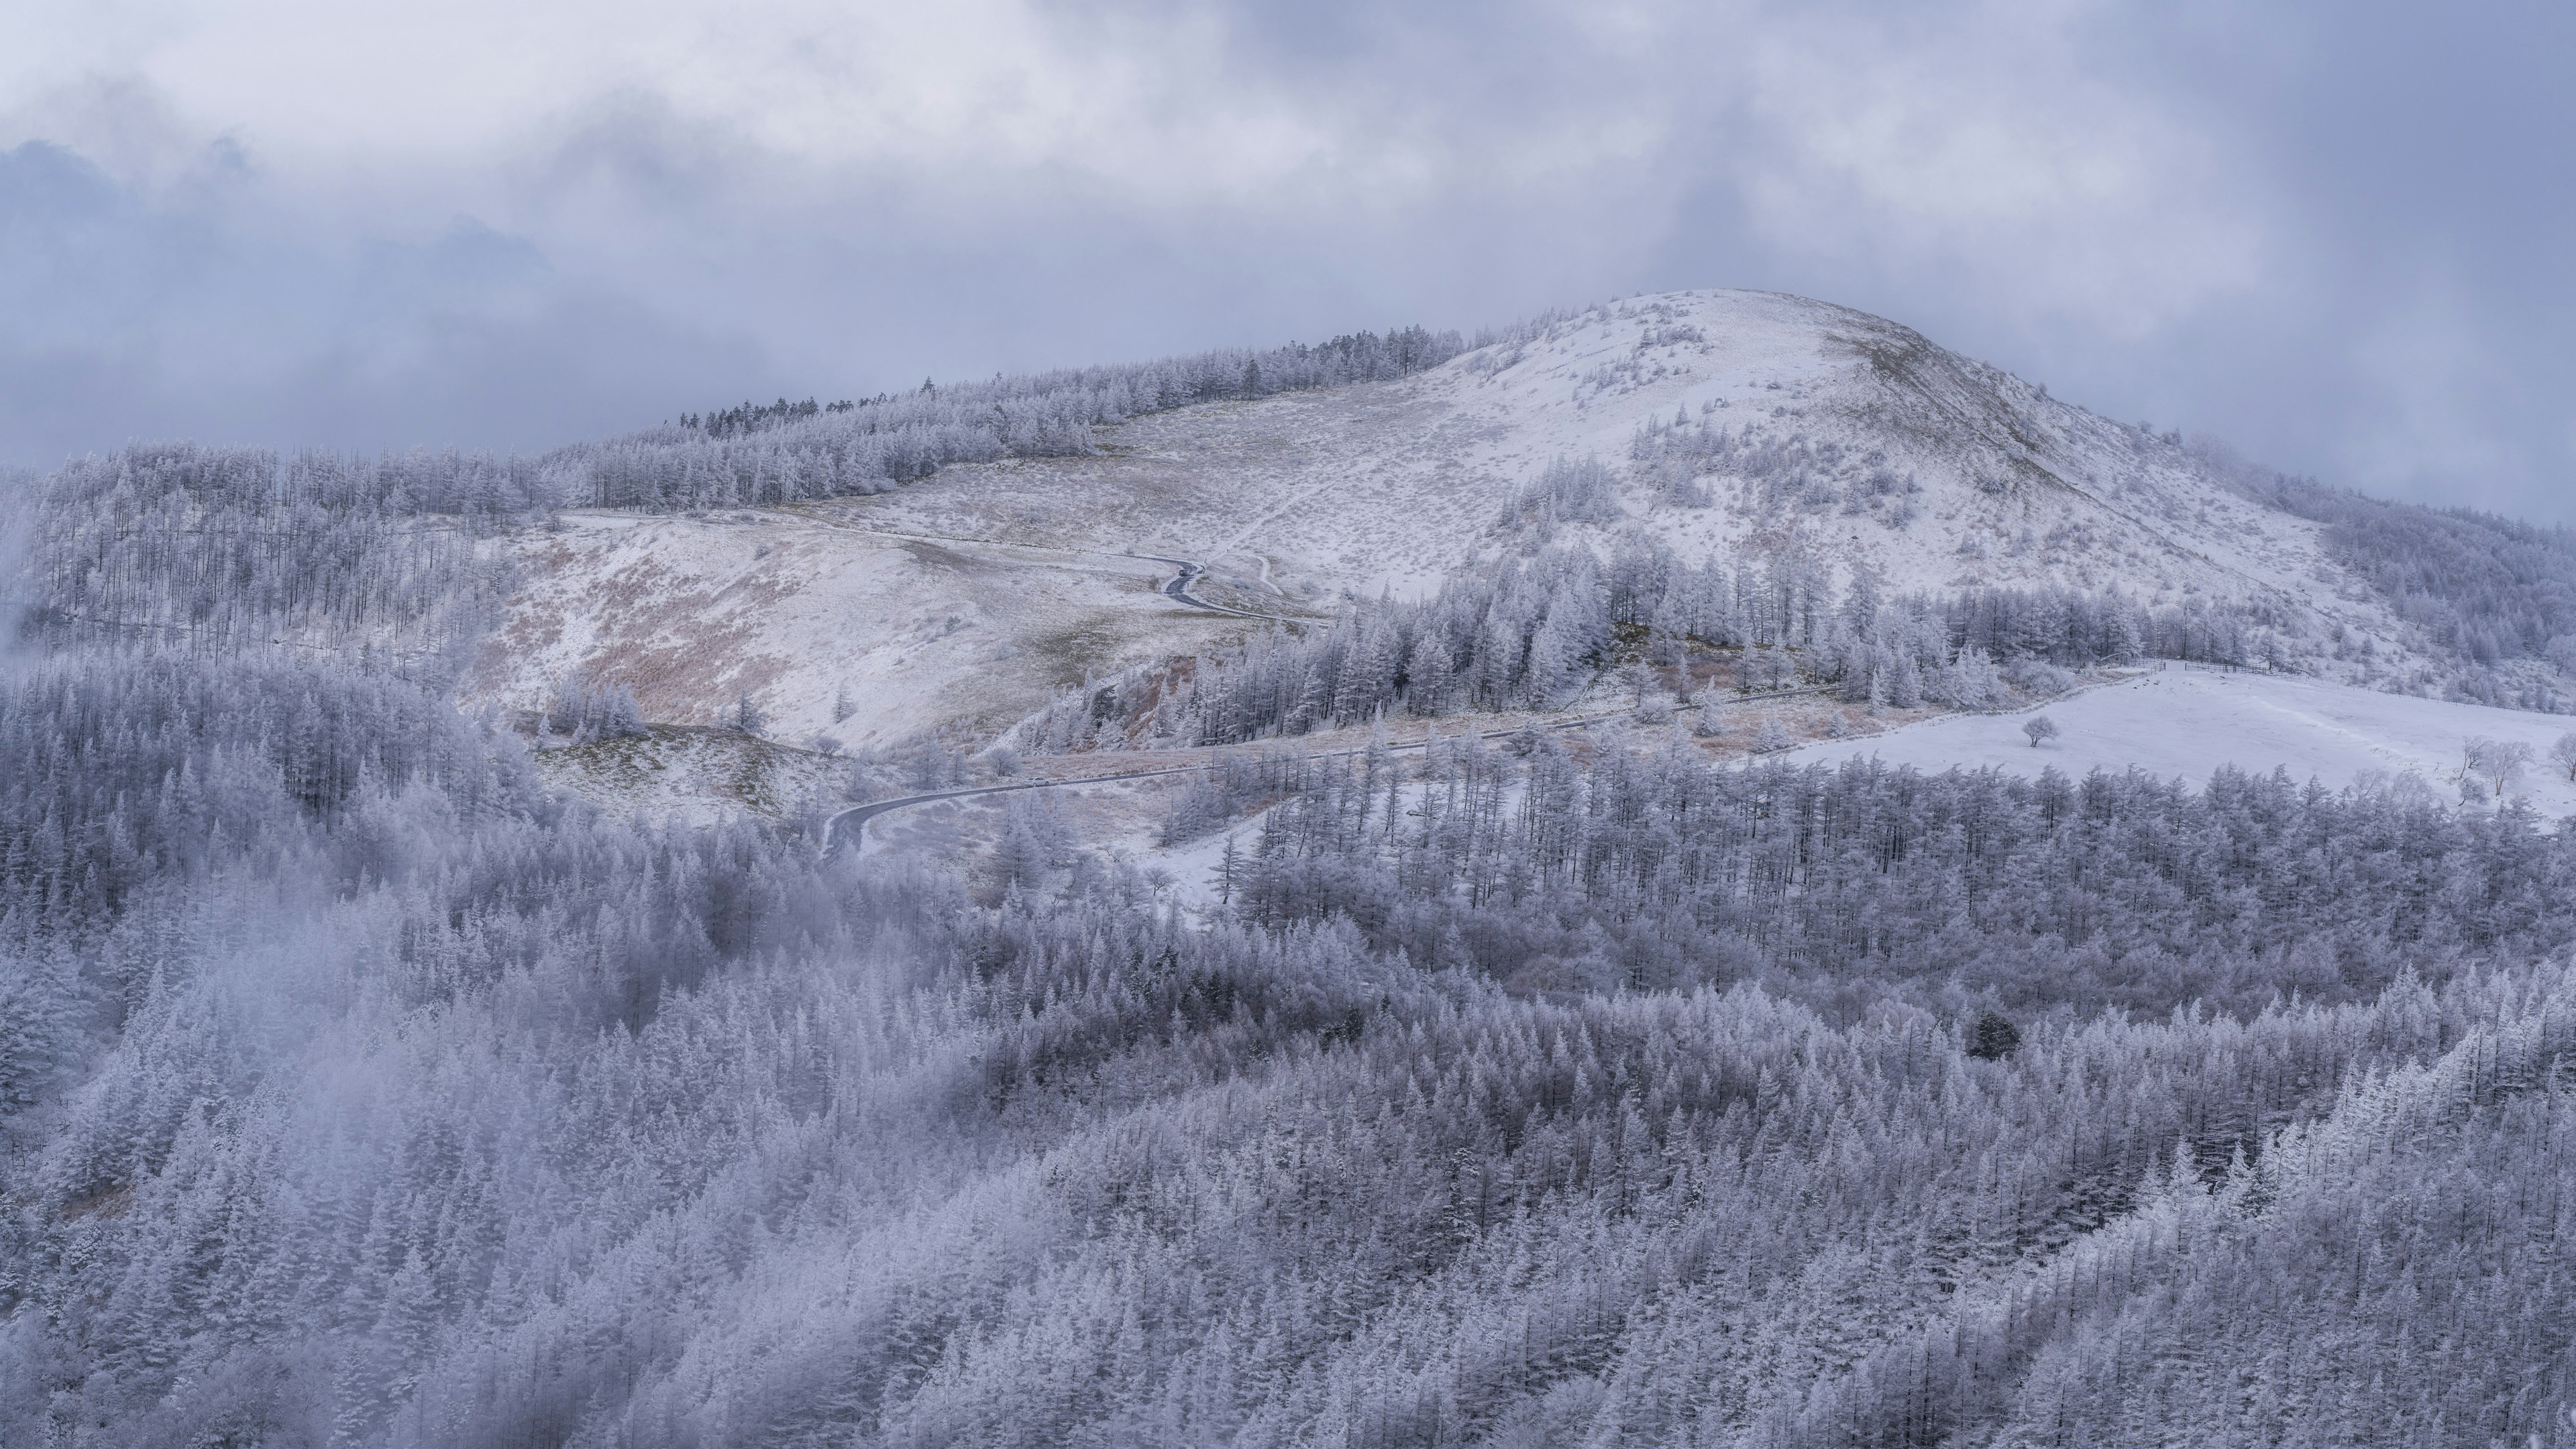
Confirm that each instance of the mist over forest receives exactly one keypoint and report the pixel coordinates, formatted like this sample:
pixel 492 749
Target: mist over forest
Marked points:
pixel 1524 1080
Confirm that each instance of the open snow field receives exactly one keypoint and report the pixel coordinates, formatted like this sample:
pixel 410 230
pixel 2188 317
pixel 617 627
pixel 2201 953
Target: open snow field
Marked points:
pixel 1395 485
pixel 2188 721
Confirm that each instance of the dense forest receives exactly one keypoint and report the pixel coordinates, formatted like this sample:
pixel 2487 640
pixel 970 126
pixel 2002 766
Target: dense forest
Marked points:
pixel 1615 863
pixel 354 1089
pixel 2496 596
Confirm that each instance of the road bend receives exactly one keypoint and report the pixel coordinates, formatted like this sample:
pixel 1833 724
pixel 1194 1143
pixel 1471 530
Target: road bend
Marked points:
pixel 851 824
pixel 1177 589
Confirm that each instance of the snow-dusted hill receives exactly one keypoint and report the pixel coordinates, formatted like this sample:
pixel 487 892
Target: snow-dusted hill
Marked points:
pixel 864 636
pixel 1935 471
pixel 1737 425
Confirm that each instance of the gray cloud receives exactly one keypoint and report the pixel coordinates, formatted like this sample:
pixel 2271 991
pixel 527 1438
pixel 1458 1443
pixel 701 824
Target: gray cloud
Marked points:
pixel 128 320
pixel 2332 239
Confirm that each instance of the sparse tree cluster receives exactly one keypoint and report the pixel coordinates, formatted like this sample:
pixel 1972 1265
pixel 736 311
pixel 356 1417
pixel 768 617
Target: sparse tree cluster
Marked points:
pixel 751 417
pixel 593 712
pixel 1566 491
pixel 1782 470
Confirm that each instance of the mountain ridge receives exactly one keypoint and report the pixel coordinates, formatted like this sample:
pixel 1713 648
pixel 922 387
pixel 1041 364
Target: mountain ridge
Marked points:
pixel 1804 426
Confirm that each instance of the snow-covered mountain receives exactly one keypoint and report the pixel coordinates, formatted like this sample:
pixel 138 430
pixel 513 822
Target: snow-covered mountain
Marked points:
pixel 1811 419
pixel 1729 425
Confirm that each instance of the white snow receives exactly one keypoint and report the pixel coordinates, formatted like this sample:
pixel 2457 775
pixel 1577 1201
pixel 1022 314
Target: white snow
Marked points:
pixel 2187 721
pixel 1398 485
pixel 909 633
pixel 959 602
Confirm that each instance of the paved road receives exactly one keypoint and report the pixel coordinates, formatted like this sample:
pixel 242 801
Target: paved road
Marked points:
pixel 1177 588
pixel 851 824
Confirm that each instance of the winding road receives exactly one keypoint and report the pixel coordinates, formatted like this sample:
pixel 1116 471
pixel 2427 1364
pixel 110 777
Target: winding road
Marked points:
pixel 852 823
pixel 1177 588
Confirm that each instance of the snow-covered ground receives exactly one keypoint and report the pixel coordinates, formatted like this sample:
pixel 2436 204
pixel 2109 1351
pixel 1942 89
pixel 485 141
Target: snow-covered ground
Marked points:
pixel 864 636
pixel 1396 485
pixel 960 601
pixel 2187 721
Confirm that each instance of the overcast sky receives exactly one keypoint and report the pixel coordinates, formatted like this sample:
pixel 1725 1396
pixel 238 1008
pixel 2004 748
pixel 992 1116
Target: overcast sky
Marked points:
pixel 2336 235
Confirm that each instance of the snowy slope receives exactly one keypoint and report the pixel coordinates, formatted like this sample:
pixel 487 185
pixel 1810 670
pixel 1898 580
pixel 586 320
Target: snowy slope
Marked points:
pixel 960 601
pixel 864 636
pixel 2187 721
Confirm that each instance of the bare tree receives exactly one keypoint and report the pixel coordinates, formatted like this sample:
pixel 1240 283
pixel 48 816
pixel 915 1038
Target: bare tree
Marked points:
pixel 2039 727
pixel 2497 763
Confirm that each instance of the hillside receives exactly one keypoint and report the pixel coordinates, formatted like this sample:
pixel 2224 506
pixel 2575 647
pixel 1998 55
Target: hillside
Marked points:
pixel 1809 424
pixel 1475 1021
pixel 1729 426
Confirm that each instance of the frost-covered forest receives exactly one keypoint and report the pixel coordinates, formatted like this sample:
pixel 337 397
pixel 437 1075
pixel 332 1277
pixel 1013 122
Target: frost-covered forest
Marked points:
pixel 784 451
pixel 2495 596
pixel 354 1090
pixel 1533 633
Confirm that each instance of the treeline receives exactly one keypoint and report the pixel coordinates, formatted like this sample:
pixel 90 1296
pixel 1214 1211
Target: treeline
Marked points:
pixel 2493 596
pixel 211 550
pixel 750 454
pixel 1657 869
pixel 778 456
pixel 751 417
pixel 1532 633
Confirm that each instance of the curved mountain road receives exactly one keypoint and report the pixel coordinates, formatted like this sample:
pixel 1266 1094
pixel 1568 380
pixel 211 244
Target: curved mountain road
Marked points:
pixel 1177 588
pixel 852 823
